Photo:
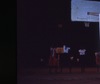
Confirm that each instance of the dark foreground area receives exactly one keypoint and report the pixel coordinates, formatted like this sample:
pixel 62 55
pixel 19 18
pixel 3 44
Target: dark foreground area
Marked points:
pixel 42 76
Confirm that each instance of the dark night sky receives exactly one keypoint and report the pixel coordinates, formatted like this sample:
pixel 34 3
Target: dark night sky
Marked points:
pixel 37 30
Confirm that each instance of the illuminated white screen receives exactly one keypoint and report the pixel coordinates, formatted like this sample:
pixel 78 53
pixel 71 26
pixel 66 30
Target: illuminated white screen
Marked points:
pixel 81 8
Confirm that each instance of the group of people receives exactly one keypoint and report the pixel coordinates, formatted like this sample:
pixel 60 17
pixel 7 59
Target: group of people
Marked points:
pixel 63 57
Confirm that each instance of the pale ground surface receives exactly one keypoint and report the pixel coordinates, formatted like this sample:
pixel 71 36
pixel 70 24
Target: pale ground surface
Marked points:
pixel 42 76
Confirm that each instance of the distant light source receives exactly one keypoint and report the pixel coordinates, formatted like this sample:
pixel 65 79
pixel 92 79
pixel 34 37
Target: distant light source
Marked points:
pixel 71 58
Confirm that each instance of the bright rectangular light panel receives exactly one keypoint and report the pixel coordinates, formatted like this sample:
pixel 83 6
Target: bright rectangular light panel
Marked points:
pixel 80 8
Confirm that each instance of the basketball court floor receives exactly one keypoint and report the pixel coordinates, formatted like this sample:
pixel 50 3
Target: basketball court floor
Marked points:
pixel 42 76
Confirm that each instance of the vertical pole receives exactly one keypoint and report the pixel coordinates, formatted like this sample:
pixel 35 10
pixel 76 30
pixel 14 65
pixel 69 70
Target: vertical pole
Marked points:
pixel 99 42
pixel 99 32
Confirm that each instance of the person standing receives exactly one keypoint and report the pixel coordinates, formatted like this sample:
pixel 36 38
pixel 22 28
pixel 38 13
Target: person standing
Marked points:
pixel 64 57
pixel 97 54
pixel 52 60
pixel 82 53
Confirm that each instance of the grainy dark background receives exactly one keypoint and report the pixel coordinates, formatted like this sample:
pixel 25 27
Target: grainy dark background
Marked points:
pixel 37 30
pixel 30 27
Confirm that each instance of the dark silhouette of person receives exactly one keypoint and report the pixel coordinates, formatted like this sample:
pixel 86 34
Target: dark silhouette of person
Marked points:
pixel 82 54
pixel 53 60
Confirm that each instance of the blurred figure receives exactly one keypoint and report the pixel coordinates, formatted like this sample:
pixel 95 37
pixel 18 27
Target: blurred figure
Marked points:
pixel 82 53
pixel 53 62
pixel 65 57
pixel 71 59
pixel 60 60
pixel 66 49
pixel 97 54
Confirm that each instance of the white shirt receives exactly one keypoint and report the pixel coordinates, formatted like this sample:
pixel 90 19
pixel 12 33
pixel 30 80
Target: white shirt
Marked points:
pixel 66 49
pixel 82 51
